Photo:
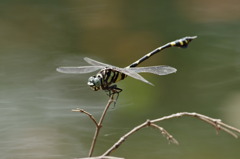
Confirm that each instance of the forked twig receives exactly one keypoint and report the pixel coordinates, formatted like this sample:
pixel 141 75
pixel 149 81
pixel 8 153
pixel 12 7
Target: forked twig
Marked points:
pixel 214 122
pixel 97 124
pixel 166 134
pixel 88 114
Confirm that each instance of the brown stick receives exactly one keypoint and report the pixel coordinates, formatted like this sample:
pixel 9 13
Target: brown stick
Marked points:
pixel 99 125
pixel 101 157
pixel 88 114
pixel 214 122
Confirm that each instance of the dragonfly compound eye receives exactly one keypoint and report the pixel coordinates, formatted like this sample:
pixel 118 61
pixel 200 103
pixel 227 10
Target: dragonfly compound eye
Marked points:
pixel 94 82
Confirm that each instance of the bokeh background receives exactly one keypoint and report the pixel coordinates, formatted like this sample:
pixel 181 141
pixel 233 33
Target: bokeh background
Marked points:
pixel 38 36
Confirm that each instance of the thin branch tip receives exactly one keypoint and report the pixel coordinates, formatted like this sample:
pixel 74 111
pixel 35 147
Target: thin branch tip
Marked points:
pixel 77 110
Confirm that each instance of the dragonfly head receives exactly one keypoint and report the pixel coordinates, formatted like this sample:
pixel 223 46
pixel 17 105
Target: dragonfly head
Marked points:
pixel 95 82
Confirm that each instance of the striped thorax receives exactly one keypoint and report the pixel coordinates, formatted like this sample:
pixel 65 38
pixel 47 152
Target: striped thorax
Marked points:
pixel 105 78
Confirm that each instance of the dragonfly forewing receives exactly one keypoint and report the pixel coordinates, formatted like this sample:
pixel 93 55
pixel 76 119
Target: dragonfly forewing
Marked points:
pixel 79 70
pixel 96 63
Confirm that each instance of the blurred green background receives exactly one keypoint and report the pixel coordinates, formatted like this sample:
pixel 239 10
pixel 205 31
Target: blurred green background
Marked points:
pixel 36 37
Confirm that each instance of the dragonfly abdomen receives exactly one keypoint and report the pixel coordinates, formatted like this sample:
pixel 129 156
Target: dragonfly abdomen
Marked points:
pixel 182 43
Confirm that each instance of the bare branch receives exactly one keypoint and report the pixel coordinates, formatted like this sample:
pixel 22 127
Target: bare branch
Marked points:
pixel 230 127
pixel 99 125
pixel 88 114
pixel 166 134
pixel 216 123
pixel 123 138
pixel 101 157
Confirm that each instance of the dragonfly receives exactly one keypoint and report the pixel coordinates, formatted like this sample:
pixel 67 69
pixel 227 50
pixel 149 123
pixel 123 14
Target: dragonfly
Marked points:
pixel 109 75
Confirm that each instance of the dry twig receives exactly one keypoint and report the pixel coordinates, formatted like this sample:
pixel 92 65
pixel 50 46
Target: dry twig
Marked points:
pixel 97 124
pixel 88 114
pixel 166 134
pixel 101 157
pixel 214 122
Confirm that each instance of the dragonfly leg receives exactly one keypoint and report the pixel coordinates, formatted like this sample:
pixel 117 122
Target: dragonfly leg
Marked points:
pixel 112 90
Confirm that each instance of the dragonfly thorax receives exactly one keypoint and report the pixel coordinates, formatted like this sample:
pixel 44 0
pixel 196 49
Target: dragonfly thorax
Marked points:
pixel 105 78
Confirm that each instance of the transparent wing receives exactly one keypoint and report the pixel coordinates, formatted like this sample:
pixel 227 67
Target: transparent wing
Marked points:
pixel 158 70
pixel 79 70
pixel 96 63
pixel 126 71
pixel 132 74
